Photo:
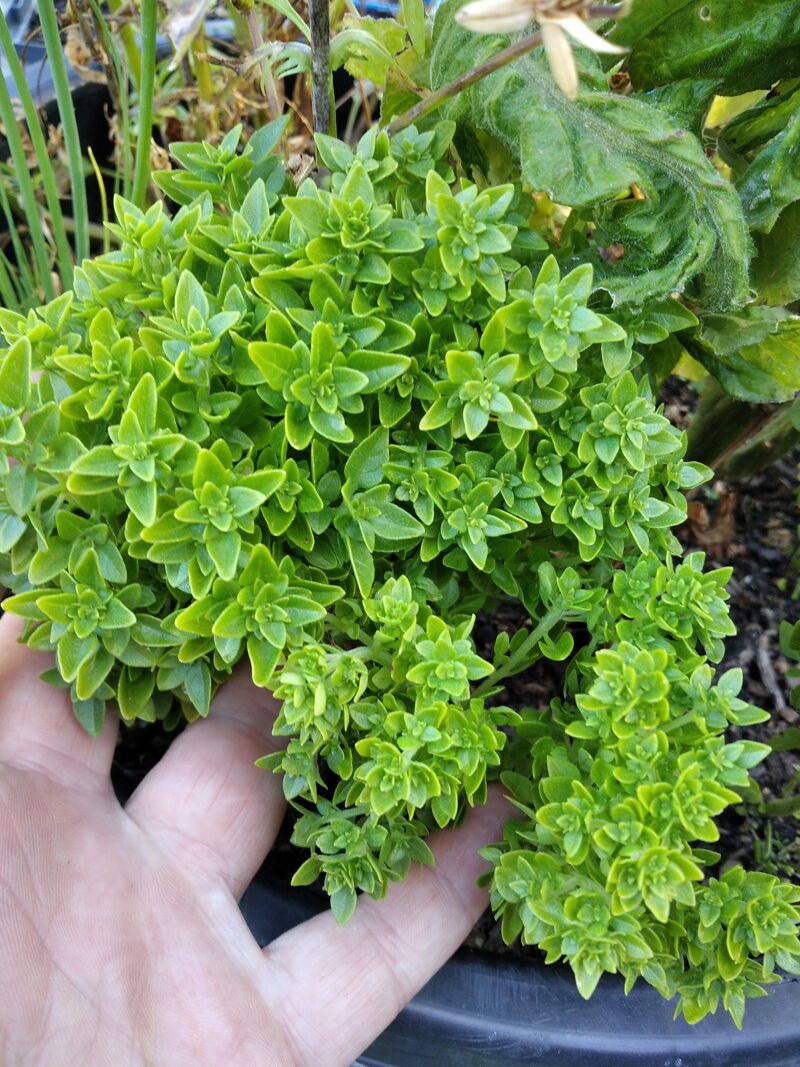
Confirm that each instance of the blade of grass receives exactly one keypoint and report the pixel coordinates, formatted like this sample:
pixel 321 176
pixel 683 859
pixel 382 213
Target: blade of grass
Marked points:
pixel 27 194
pixel 141 171
pixel 205 85
pixel 123 175
pixel 7 292
pixel 24 274
pixel 66 109
pixel 33 120
pixel 23 303
pixel 130 45
pixel 101 186
pixel 269 86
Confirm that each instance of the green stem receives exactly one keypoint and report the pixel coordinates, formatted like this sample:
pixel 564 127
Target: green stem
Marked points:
pixel 66 110
pixel 518 660
pixel 130 45
pixel 63 251
pixel 676 724
pixel 738 438
pixel 205 83
pixel 369 651
pixel 26 285
pixel 120 76
pixel 141 170
pixel 774 435
pixel 7 292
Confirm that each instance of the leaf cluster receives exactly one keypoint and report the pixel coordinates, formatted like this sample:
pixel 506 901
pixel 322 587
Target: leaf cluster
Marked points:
pixel 617 784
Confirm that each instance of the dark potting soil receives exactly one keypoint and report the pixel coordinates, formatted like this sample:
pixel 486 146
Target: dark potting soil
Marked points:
pixel 751 526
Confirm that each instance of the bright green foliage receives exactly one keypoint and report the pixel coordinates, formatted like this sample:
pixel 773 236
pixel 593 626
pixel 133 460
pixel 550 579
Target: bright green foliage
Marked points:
pixel 322 428
pixel 616 781
pixel 549 324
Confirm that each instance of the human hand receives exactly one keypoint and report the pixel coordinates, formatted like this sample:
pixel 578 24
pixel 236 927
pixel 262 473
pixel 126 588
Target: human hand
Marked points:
pixel 121 943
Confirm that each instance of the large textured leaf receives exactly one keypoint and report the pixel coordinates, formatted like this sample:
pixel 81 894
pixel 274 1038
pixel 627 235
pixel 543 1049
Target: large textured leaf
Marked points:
pixel 776 268
pixel 588 154
pixel 748 44
pixel 759 123
pixel 754 355
pixel 772 181
pixel 688 100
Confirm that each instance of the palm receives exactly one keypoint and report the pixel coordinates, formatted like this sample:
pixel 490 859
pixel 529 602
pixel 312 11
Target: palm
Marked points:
pixel 120 938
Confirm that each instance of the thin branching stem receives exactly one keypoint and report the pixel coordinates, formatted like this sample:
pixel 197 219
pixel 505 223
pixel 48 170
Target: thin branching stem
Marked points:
pixel 521 655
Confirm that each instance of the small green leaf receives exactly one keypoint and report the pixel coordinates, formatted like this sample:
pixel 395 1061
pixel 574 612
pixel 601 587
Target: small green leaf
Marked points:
pixel 197 686
pixel 90 714
pixel 364 466
pixel 307 873
pixel 20 486
pixel 142 500
pixel 15 375
pixel 263 661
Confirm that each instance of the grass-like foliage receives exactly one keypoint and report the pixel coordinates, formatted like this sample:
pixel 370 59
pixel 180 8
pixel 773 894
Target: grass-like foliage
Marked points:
pixel 322 428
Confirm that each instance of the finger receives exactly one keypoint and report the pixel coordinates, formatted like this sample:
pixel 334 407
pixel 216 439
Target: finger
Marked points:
pixel 363 973
pixel 206 798
pixel 38 728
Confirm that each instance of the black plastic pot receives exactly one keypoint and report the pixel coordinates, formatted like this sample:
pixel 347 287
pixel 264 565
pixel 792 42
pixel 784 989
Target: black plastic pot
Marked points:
pixel 484 1011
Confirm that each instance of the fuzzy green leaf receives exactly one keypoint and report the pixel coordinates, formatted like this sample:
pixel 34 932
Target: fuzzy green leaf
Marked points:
pixel 744 45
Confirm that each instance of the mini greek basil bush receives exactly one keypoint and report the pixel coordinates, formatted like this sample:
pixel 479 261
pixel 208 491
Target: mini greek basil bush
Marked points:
pixel 321 428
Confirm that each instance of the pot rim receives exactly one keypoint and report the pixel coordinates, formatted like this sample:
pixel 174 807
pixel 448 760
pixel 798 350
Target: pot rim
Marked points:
pixel 482 1010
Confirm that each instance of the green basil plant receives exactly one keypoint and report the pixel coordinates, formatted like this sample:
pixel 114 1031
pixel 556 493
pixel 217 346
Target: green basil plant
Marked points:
pixel 321 428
